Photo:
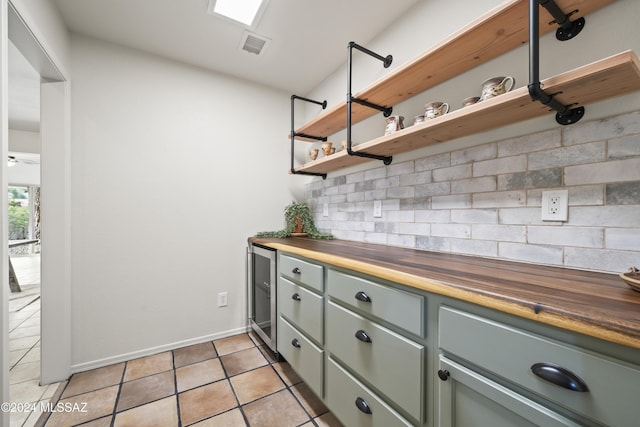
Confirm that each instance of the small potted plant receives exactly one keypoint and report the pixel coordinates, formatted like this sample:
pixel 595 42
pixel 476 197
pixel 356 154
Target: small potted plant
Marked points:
pixel 298 221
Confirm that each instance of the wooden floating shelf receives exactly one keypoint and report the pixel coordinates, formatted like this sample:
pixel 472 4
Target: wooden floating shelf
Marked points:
pixel 498 31
pixel 607 78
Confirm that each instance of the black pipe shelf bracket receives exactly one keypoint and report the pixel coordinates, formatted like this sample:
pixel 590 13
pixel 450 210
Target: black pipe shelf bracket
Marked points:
pixel 386 111
pixel 565 115
pixel 295 134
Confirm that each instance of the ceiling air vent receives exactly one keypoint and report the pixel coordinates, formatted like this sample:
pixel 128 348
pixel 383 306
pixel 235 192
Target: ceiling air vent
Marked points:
pixel 253 43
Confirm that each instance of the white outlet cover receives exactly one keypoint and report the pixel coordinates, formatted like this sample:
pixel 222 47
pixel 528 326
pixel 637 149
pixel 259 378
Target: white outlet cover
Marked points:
pixel 377 208
pixel 555 205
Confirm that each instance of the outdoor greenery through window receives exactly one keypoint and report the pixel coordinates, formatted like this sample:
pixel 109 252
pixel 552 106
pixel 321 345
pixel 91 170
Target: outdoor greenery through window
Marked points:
pixel 18 213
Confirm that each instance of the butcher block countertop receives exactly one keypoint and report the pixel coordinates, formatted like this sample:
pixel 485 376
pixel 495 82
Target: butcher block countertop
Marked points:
pixel 596 304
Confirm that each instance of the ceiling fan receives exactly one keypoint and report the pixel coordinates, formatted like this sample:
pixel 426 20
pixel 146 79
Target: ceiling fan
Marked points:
pixel 14 160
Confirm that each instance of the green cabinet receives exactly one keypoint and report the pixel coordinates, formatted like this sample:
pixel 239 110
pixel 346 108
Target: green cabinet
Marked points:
pixel 300 308
pixel 586 386
pixel 382 354
pixel 466 398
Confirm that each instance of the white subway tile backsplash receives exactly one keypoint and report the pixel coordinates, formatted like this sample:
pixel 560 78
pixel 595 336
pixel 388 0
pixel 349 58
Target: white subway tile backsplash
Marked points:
pixel 598 130
pixel 433 162
pixel 485 200
pixel 627 239
pixel 474 185
pixel 622 148
pixel 605 216
pixel 474 216
pixel 452 172
pixel 575 155
pixel 531 253
pixel 530 143
pixel 566 236
pixel 415 178
pixel 503 233
pixel 474 154
pixel 499 199
pixel 474 247
pixel 500 165
pixel 612 171
pixel 461 231
pixel 459 201
pixel 600 260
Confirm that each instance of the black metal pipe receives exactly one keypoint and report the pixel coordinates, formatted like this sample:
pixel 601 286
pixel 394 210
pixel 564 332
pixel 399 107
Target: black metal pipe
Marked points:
pixel 350 100
pixel 386 60
pixel 293 134
pixel 558 15
pixel 565 115
pixel 568 28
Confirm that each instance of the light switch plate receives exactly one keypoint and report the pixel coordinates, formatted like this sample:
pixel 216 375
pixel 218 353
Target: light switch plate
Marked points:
pixel 377 208
pixel 555 205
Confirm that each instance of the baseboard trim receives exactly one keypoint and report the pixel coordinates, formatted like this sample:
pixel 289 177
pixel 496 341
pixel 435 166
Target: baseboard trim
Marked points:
pixel 81 367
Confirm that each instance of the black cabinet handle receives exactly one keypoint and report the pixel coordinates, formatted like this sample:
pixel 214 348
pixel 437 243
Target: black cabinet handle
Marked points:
pixel 363 336
pixel 363 405
pixel 295 343
pixel 296 270
pixel 296 297
pixel 559 376
pixel 361 296
pixel 443 374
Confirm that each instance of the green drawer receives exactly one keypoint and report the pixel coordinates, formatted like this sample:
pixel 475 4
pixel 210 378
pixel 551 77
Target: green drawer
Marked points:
pixel 343 391
pixel 301 307
pixel 510 353
pixel 305 358
pixel 403 309
pixel 303 272
pixel 392 364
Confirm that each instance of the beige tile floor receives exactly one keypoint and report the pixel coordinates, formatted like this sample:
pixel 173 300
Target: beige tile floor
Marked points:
pixel 229 382
pixel 24 344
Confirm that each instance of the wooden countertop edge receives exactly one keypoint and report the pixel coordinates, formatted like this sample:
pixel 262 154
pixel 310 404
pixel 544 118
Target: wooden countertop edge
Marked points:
pixel 448 290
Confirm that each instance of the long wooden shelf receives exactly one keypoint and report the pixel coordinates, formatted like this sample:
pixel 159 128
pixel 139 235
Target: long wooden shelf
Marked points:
pixel 607 78
pixel 498 31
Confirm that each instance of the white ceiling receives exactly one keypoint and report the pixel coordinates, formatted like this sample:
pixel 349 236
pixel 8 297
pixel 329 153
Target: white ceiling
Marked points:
pixel 308 40
pixel 309 37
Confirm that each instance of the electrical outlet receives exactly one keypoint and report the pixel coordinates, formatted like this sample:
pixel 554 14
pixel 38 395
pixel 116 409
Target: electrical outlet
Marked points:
pixel 222 299
pixel 377 208
pixel 325 209
pixel 555 205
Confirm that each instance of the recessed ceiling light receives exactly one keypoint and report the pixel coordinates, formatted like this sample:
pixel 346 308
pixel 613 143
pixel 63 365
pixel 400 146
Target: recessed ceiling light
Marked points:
pixel 246 12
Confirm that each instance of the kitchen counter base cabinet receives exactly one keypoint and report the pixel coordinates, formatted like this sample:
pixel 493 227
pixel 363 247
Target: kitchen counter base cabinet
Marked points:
pixel 301 307
pixel 401 308
pixel 305 358
pixel 584 384
pixel 388 361
pixel 470 399
pixel 354 404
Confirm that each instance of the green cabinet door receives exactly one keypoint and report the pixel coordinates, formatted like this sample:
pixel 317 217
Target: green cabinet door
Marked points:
pixel 467 399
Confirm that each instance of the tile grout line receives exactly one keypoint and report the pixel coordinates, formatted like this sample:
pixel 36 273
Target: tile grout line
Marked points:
pixel 175 386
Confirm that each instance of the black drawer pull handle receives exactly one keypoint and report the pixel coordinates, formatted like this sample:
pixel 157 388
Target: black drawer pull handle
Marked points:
pixel 296 297
pixel 559 376
pixel 443 374
pixel 295 343
pixel 296 270
pixel 361 296
pixel 363 405
pixel 363 336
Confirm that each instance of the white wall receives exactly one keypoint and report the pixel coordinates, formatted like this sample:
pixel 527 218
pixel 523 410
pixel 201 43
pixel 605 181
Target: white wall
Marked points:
pixel 173 167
